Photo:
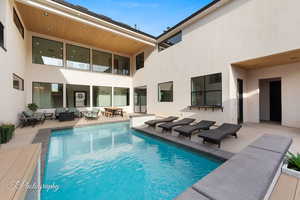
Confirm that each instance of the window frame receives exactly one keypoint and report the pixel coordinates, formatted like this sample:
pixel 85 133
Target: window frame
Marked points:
pixel 159 44
pixel 63 51
pixel 16 20
pixel 80 46
pixel 113 67
pixel 158 92
pixel 111 96
pixel 113 99
pixel 92 60
pixel 205 91
pixel 51 84
pixel 22 80
pixel 136 61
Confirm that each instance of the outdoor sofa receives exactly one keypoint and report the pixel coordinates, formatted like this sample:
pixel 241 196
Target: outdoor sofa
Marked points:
pixel 168 126
pixel 153 123
pixel 216 136
pixel 188 130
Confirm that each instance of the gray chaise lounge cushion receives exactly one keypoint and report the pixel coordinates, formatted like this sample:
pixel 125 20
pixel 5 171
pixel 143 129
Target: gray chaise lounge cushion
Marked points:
pixel 181 122
pixel 202 125
pixel 157 121
pixel 220 132
pixel 247 175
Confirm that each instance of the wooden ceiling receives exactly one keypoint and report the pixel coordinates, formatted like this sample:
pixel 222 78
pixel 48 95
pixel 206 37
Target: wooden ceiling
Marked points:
pixel 65 28
pixel 270 61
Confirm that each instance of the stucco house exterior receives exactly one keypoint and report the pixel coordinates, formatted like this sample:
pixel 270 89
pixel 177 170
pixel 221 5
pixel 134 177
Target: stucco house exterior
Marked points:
pixel 231 61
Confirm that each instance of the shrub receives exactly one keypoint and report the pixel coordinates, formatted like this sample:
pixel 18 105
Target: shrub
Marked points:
pixel 294 161
pixel 32 106
pixel 7 132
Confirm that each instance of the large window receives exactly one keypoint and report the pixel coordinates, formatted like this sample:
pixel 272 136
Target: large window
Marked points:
pixel 207 90
pixel 18 23
pixel 139 61
pixel 102 61
pixel 47 95
pixel 78 95
pixel 78 57
pixel 121 96
pixel 121 65
pixel 18 82
pixel 102 96
pixel 1 35
pixel 47 52
pixel 170 41
pixel 165 92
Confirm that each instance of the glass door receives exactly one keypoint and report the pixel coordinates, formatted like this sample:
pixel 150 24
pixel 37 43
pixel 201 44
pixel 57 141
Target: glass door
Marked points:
pixel 140 100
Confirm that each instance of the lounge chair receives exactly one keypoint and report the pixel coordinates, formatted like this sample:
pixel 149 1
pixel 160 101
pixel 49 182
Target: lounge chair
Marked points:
pixel 188 130
pixel 215 136
pixel 168 126
pixel 153 123
pixel 94 114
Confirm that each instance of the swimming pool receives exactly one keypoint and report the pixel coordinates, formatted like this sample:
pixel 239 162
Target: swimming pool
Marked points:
pixel 112 162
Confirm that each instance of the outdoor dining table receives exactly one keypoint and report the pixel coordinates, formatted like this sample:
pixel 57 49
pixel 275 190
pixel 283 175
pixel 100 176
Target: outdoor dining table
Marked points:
pixel 114 110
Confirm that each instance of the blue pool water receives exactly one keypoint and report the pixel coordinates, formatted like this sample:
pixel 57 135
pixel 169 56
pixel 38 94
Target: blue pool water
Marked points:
pixel 114 162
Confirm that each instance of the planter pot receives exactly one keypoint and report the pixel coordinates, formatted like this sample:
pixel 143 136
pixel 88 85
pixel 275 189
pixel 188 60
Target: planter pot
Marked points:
pixel 290 172
pixel 6 132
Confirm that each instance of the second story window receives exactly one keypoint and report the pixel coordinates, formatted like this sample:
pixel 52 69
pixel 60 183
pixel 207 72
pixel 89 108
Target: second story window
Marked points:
pixel 102 61
pixel 170 41
pixel 139 61
pixel 121 65
pixel 18 23
pixel 78 57
pixel 47 52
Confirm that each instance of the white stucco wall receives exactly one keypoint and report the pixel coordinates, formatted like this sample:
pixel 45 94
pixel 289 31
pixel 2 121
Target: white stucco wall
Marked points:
pixel 241 30
pixel 11 61
pixel 290 82
pixel 53 74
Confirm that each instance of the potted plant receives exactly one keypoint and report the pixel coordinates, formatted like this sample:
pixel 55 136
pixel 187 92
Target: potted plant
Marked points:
pixel 7 132
pixel 292 165
pixel 33 107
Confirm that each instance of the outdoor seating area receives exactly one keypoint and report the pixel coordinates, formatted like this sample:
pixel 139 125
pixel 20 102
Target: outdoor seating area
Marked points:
pixel 32 118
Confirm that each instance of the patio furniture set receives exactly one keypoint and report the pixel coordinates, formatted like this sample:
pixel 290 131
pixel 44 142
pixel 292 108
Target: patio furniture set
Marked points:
pixel 185 128
pixel 29 118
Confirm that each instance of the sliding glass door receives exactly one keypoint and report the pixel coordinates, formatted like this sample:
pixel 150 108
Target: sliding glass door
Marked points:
pixel 140 100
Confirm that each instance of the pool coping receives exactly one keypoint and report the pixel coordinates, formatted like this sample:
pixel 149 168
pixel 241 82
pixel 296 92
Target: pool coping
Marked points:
pixel 219 154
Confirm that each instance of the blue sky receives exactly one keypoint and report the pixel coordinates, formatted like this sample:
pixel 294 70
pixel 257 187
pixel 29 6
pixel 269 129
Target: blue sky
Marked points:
pixel 151 16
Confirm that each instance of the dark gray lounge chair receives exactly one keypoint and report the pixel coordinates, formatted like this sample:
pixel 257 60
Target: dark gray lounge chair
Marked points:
pixel 153 123
pixel 168 126
pixel 188 130
pixel 215 136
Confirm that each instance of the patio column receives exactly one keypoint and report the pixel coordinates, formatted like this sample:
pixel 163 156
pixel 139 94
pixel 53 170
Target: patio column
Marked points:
pixel 64 95
pixel 91 96
pixel 112 97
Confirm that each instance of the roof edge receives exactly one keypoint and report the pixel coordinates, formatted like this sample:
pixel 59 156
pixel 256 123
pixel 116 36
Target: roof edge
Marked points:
pixel 101 17
pixel 189 17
